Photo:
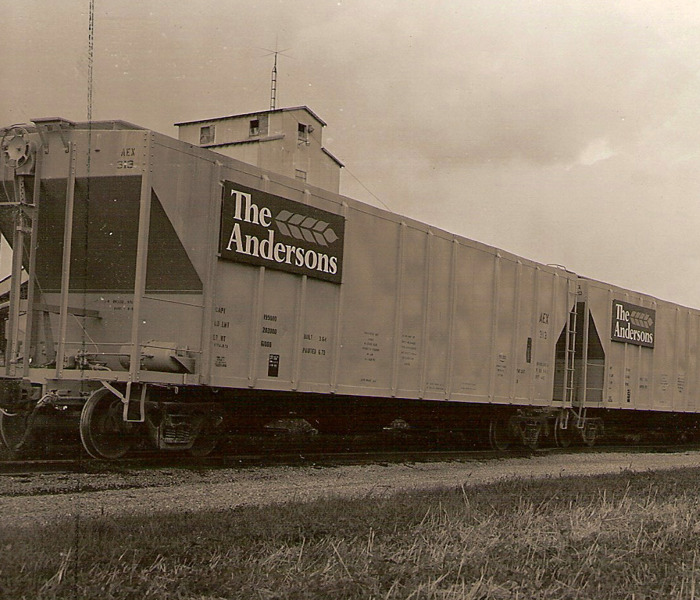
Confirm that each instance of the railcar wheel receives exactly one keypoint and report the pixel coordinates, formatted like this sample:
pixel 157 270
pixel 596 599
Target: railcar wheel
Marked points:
pixel 14 430
pixel 204 445
pixel 205 442
pixel 500 436
pixel 562 437
pixel 102 429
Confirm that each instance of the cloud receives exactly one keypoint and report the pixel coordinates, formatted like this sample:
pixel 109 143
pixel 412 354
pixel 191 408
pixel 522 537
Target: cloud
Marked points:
pixel 532 81
pixel 597 150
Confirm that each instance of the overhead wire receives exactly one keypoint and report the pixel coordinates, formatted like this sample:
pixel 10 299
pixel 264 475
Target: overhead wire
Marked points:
pixel 377 198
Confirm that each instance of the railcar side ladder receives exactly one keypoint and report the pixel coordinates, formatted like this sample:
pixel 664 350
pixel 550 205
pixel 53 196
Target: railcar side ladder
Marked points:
pixel 579 400
pixel 570 362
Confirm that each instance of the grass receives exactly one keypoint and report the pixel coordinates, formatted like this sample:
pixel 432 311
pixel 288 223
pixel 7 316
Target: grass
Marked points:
pixel 607 537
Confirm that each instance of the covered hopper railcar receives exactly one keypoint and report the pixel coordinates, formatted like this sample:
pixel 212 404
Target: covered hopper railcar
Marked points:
pixel 165 294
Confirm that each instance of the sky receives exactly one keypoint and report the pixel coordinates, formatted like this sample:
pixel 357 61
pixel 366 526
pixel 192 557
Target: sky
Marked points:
pixel 566 132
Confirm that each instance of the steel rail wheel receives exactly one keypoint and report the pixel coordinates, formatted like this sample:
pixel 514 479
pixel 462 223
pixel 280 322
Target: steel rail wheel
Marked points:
pixel 500 435
pixel 102 429
pixel 14 429
pixel 562 437
pixel 204 444
pixel 207 435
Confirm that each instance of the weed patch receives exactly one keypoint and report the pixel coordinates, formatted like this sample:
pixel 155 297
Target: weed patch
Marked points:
pixel 623 536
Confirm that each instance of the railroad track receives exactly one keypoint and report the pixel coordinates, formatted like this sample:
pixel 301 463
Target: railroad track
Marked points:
pixel 85 464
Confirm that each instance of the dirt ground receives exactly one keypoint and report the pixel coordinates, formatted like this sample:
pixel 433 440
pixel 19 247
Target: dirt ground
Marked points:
pixel 28 499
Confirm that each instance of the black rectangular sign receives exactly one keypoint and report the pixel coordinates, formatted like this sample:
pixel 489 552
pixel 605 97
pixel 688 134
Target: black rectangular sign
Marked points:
pixel 273 365
pixel 266 230
pixel 633 324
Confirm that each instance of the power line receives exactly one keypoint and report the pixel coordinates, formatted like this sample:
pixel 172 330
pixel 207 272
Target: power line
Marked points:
pixel 377 198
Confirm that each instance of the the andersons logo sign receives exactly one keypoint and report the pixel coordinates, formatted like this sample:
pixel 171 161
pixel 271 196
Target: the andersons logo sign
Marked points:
pixel 261 229
pixel 633 324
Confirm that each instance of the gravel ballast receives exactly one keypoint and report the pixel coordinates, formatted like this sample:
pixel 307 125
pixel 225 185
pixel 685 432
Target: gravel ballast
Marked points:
pixel 46 497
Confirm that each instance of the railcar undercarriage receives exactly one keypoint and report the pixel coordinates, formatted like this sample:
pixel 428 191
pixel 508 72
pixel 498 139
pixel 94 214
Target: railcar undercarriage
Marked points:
pixel 114 419
pixel 109 425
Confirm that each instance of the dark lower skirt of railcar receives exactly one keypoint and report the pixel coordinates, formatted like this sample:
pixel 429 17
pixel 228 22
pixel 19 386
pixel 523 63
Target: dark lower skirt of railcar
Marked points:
pixel 645 427
pixel 461 424
pixel 441 424
pixel 198 419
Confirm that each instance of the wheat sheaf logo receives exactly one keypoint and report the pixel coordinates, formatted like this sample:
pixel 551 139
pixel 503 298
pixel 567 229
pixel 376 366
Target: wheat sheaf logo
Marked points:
pixel 301 227
pixel 641 319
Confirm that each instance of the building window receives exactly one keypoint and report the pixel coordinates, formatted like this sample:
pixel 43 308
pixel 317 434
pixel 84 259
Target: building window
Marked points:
pixel 258 126
pixel 303 132
pixel 300 174
pixel 206 134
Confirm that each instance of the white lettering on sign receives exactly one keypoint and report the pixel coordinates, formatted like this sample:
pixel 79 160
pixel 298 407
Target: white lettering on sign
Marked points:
pixel 253 230
pixel 633 324
pixel 250 213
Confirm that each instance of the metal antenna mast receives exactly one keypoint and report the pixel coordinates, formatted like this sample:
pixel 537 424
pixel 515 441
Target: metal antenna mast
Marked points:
pixel 273 82
pixel 273 85
pixel 91 57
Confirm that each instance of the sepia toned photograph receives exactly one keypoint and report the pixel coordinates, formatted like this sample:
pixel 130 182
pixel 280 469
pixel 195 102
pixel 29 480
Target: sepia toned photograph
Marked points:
pixel 350 299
